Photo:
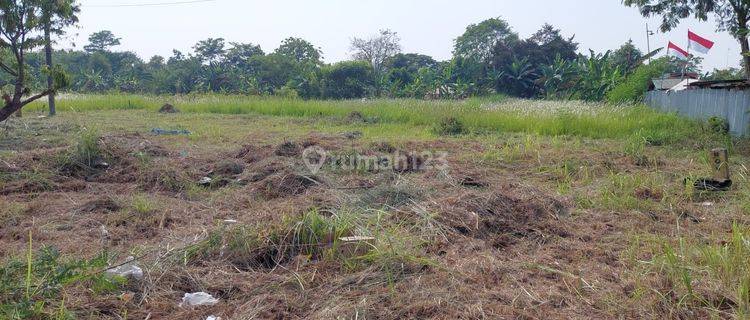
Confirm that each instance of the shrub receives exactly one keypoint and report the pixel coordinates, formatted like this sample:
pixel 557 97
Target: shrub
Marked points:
pixel 637 84
pixel 718 125
pixel 450 126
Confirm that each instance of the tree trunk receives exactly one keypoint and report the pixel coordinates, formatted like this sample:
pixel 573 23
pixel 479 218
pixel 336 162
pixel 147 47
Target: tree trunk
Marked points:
pixel 8 111
pixel 745 55
pixel 48 56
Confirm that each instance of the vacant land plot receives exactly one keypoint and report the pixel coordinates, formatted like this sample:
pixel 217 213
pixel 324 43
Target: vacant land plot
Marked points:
pixel 487 208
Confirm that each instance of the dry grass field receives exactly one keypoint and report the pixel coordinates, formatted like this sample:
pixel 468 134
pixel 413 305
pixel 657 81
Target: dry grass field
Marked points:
pixel 538 210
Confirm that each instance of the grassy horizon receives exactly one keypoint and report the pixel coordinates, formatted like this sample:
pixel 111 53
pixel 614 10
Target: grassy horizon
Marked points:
pixel 479 115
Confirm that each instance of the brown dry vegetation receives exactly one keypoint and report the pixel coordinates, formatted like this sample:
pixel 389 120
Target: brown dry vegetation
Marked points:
pixel 518 226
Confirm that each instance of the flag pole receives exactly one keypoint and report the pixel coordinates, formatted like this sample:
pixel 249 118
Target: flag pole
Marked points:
pixel 687 61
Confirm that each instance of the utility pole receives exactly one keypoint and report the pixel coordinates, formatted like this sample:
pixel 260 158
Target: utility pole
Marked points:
pixel 649 33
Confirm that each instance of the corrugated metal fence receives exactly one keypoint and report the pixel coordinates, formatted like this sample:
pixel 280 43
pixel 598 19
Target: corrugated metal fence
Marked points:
pixel 732 105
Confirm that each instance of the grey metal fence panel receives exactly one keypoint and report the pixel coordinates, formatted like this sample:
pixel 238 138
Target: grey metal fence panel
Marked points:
pixel 732 105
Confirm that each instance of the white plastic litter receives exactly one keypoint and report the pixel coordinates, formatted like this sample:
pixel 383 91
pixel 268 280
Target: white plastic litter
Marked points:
pixel 127 270
pixel 205 181
pixel 213 318
pixel 198 299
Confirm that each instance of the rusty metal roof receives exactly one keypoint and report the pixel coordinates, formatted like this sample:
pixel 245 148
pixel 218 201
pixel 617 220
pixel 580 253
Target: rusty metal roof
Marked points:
pixel 720 84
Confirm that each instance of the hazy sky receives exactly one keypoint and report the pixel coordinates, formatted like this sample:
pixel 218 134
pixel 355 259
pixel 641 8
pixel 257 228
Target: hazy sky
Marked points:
pixel 425 26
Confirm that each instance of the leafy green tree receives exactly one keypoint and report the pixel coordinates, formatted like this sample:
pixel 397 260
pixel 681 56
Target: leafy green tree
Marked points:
pixel 239 54
pixel 725 74
pixel 300 50
pixel 731 16
pixel 478 40
pixel 558 79
pixel 22 25
pixel 271 72
pixel 627 57
pixel 210 50
pixel 101 41
pixel 596 76
pixel 519 78
pixel 347 80
pixel 404 70
pixel 544 46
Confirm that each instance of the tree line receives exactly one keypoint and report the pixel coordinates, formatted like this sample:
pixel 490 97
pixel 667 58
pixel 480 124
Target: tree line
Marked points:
pixel 488 58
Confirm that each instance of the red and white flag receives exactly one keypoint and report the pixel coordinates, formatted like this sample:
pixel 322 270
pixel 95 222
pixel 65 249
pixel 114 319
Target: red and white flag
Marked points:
pixel 699 43
pixel 675 51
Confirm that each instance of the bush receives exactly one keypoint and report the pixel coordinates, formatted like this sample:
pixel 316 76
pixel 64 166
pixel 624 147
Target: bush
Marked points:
pixel 286 92
pixel 347 80
pixel 450 127
pixel 718 125
pixel 636 85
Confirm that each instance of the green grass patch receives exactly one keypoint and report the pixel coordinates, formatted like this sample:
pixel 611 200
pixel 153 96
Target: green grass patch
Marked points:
pixel 476 115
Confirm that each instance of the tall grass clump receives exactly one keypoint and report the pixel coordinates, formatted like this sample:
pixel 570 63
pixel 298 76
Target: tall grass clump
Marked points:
pixel 35 287
pixel 712 276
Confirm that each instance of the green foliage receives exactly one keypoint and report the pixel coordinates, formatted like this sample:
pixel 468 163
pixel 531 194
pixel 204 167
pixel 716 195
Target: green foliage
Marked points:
pixel 347 80
pixel 690 266
pixel 87 150
pixel 718 125
pixel 627 57
pixel 725 74
pixel 450 126
pixel 35 288
pixel 636 84
pixel 730 16
pixel 101 41
pixel 478 40
pixel 300 50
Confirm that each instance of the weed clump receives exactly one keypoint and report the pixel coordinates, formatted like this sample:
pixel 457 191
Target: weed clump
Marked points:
pixel 450 126
pixel 33 288
pixel 86 157
pixel 718 125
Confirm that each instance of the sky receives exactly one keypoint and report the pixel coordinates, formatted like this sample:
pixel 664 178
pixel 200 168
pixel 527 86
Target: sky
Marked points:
pixel 425 26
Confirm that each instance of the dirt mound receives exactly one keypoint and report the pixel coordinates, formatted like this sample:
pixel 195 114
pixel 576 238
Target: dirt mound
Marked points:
pixel 101 205
pixel 285 184
pixel 35 185
pixel 250 153
pixel 164 177
pixel 383 147
pixel 168 108
pixel 228 168
pixel 408 162
pixel 288 149
pixel 504 218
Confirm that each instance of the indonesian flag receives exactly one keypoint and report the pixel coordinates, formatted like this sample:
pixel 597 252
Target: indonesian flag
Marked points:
pixel 676 51
pixel 699 43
